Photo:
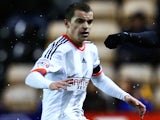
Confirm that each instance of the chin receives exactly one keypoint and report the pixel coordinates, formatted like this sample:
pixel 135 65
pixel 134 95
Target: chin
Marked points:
pixel 85 38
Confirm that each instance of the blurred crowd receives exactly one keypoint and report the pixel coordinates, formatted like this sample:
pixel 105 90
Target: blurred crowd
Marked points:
pixel 23 36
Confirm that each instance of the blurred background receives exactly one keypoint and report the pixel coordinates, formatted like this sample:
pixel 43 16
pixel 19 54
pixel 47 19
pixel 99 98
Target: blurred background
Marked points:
pixel 28 26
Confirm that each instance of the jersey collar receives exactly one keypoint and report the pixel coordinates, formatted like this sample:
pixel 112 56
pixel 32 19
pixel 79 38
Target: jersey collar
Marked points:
pixel 79 48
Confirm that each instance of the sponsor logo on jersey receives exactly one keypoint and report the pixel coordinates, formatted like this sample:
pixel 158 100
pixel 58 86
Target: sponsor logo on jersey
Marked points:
pixel 79 84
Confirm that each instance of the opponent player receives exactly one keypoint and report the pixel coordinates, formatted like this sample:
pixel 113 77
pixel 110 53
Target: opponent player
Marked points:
pixel 150 39
pixel 67 65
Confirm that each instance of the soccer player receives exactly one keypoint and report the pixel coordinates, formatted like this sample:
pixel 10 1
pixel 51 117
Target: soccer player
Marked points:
pixel 67 65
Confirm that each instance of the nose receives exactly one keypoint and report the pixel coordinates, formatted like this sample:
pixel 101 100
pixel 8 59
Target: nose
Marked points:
pixel 85 25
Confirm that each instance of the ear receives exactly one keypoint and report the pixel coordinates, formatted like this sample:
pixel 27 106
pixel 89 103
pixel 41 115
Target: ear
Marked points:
pixel 66 23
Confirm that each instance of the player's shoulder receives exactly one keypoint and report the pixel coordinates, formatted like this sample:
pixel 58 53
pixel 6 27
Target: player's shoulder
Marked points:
pixel 59 45
pixel 90 44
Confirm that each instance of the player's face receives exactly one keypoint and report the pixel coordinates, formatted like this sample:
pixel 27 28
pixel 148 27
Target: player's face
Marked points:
pixel 78 28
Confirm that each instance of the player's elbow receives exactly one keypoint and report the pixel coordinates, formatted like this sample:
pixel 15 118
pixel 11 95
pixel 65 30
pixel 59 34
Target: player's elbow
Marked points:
pixel 29 80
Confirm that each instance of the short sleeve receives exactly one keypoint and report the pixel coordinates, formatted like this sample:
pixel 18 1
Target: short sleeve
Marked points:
pixel 50 65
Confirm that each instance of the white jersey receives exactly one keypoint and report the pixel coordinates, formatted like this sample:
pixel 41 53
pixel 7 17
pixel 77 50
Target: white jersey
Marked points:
pixel 62 59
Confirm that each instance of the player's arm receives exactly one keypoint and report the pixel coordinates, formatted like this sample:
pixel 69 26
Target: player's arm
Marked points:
pixel 105 84
pixel 101 81
pixel 149 39
pixel 36 79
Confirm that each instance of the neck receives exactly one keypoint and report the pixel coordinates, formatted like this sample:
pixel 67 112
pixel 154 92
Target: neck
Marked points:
pixel 80 46
pixel 74 41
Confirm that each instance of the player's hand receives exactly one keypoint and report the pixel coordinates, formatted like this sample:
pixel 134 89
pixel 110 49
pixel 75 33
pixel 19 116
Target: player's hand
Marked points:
pixel 60 84
pixel 113 40
pixel 136 103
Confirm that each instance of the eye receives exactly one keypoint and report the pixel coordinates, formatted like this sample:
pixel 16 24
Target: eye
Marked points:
pixel 80 21
pixel 89 22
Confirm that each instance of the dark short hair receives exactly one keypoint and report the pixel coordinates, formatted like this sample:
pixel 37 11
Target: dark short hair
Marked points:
pixel 76 6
